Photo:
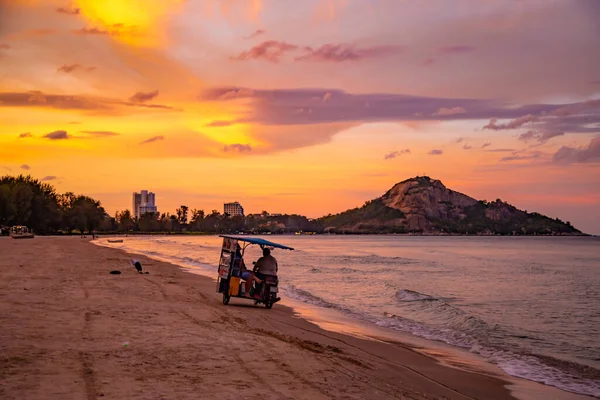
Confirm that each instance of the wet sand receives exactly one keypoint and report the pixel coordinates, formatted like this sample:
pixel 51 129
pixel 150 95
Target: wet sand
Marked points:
pixel 70 330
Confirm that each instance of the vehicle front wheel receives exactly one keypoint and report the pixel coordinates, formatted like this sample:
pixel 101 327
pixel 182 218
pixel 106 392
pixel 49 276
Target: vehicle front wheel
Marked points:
pixel 268 304
pixel 226 298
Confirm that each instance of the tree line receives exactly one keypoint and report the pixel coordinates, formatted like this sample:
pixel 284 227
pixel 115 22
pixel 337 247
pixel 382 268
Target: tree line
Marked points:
pixel 37 205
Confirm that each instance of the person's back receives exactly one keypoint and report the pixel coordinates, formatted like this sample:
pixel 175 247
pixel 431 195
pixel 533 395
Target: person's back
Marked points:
pixel 267 264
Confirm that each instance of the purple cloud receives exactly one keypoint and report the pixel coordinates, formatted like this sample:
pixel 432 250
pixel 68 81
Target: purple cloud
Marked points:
pixel 500 151
pixel 142 97
pixel 240 148
pixel 25 135
pixel 48 178
pixel 270 50
pixel 457 49
pixel 153 139
pixel 57 135
pixel 589 154
pixel 435 152
pixel 346 52
pixel 25 167
pixel 486 144
pixel 515 157
pixel 540 137
pixel 514 124
pixel 595 82
pixel 395 154
pixel 281 107
pixel 467 147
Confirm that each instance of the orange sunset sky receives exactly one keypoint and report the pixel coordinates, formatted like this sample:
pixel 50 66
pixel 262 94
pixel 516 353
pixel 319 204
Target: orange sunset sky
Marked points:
pixel 311 106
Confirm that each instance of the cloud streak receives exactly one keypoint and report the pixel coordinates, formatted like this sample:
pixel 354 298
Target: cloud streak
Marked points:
pixel 152 139
pixel 394 154
pixel 274 51
pixel 435 152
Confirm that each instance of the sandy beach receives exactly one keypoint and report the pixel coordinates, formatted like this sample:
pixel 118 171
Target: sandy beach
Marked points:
pixel 71 330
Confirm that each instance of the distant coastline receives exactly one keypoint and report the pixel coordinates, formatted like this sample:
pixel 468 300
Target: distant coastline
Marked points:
pixel 418 206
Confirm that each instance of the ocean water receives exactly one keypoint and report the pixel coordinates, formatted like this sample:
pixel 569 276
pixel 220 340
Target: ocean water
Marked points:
pixel 530 305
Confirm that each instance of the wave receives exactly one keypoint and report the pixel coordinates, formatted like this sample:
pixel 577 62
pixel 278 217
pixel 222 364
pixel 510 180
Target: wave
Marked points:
pixel 406 295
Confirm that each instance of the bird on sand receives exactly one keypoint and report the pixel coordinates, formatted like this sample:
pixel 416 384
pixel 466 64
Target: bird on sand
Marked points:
pixel 137 265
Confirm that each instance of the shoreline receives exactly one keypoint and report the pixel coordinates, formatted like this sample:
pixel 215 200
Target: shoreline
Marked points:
pixel 66 320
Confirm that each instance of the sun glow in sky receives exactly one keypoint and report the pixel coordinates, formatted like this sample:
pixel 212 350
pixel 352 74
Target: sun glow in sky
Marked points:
pixel 304 107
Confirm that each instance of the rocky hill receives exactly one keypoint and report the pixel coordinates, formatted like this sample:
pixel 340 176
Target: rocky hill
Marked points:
pixel 425 205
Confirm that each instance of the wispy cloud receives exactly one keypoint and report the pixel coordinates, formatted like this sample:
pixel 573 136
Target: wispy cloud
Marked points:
pixel 486 144
pixel 142 97
pixel 57 135
pixel 514 124
pixel 517 157
pixel 435 152
pixel 219 124
pixel 569 155
pixel 70 11
pixel 270 50
pixel 240 148
pixel 394 154
pixel 275 50
pixel 444 112
pixel 25 135
pixel 540 137
pixel 68 68
pixel 153 139
pixel 346 52
pixel 25 167
pixel 48 178
pixel 256 33
pixel 467 147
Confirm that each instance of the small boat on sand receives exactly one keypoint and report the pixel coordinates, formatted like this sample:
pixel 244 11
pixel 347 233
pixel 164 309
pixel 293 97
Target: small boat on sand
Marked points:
pixel 21 232
pixel 115 240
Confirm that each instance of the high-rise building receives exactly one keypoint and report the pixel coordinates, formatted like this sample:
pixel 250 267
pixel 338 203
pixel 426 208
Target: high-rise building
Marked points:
pixel 144 202
pixel 233 209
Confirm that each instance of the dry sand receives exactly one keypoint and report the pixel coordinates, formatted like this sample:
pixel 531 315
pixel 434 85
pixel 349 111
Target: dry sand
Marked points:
pixel 64 322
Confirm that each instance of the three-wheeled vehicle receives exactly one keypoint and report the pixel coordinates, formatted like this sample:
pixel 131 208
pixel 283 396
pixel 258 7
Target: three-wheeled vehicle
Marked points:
pixel 229 280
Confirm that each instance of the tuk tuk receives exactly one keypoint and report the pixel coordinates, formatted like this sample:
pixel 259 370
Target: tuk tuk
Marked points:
pixel 229 280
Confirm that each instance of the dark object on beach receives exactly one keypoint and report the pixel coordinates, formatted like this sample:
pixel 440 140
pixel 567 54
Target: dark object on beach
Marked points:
pixel 147 273
pixel 137 265
pixel 115 272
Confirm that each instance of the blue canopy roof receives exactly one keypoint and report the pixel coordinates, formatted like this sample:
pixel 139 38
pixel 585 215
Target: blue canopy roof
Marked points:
pixel 259 241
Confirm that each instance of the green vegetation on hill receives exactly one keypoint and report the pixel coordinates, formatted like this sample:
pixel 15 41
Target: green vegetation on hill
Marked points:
pixel 515 222
pixel 373 217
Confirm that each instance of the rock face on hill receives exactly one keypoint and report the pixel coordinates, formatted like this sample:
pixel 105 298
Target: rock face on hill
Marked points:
pixel 425 205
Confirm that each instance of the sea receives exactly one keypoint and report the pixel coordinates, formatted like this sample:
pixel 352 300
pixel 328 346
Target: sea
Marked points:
pixel 530 305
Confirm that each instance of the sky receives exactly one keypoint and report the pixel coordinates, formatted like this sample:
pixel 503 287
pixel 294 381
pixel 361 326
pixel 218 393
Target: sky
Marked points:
pixel 308 107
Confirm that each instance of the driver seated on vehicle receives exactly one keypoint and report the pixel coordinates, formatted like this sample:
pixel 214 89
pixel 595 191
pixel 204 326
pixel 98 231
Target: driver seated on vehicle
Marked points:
pixel 266 265
pixel 247 276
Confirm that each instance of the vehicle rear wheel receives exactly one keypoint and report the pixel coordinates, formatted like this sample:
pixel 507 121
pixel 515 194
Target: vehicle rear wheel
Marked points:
pixel 268 304
pixel 226 298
